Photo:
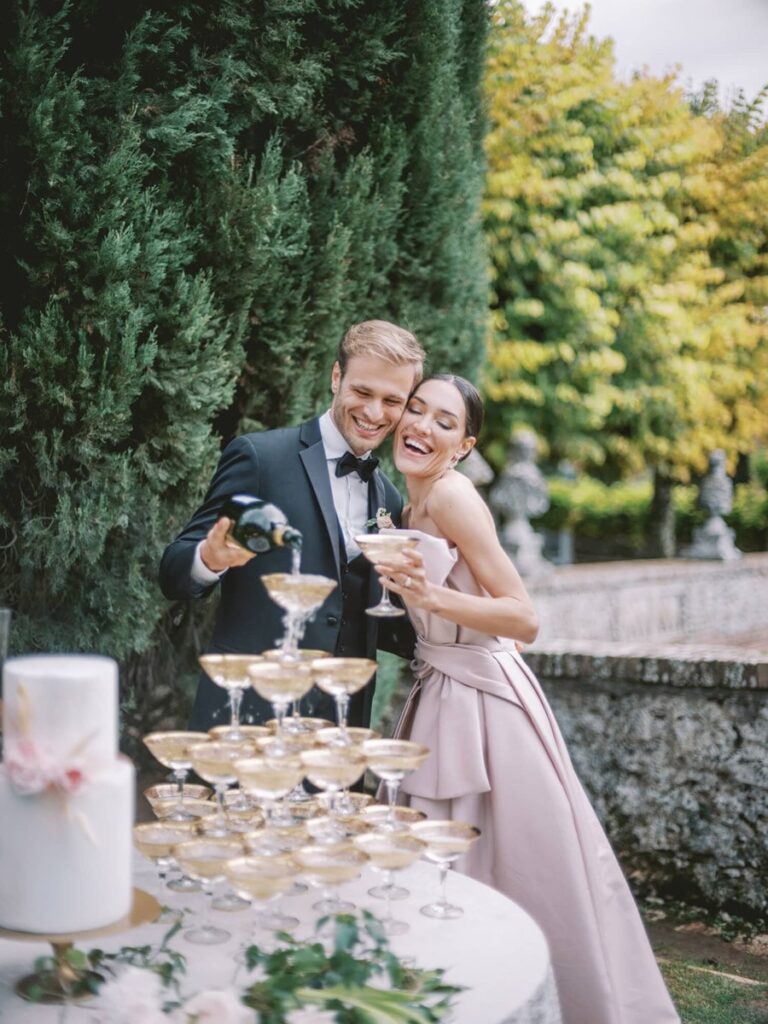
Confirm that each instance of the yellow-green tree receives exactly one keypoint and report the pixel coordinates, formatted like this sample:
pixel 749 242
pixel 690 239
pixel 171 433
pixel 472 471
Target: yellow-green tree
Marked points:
pixel 617 332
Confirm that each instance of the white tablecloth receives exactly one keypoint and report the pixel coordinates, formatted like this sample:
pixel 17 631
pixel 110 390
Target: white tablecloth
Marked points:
pixel 495 949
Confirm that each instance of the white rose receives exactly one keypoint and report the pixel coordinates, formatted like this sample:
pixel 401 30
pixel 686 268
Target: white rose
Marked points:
pixel 135 996
pixel 217 1006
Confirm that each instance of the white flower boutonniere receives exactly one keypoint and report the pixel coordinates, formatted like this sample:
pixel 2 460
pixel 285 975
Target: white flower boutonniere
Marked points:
pixel 381 521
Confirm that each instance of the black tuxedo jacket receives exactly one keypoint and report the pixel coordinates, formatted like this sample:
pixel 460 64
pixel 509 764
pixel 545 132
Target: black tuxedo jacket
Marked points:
pixel 287 467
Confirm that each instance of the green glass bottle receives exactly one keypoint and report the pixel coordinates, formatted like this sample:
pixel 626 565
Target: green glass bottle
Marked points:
pixel 258 526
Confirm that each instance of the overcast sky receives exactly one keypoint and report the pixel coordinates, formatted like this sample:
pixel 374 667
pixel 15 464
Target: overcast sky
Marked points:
pixel 723 39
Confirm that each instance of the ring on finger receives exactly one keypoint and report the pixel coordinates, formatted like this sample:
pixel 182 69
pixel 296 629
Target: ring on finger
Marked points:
pixel 407 581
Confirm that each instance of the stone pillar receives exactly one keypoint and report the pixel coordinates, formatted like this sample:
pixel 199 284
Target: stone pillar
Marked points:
pixel 714 540
pixel 520 492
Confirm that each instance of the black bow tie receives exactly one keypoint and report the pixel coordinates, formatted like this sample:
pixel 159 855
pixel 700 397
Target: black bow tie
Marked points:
pixel 349 463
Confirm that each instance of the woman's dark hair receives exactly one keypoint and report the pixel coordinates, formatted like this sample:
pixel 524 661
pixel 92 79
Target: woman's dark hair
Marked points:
pixel 473 403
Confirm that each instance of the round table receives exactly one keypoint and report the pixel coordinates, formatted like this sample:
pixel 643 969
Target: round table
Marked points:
pixel 496 950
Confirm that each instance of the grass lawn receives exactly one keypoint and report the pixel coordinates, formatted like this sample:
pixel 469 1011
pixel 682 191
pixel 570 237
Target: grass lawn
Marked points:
pixel 709 997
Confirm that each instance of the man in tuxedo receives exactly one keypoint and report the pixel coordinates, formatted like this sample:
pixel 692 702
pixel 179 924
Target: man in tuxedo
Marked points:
pixel 323 476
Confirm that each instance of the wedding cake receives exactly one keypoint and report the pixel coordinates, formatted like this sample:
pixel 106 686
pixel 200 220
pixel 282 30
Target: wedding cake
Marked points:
pixel 66 797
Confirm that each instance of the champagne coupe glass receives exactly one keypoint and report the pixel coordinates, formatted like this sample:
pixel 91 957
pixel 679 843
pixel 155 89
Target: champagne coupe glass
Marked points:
pixel 278 841
pixel 378 814
pixel 242 816
pixel 156 841
pixel 390 853
pixel 280 682
pixel 392 760
pixel 230 671
pixel 294 722
pixel 328 866
pixel 249 734
pixel 325 829
pixel 204 860
pixel 346 802
pixel 163 797
pixel 267 779
pixel 299 594
pixel 445 842
pixel 215 763
pixel 332 769
pixel 341 677
pixel 172 750
pixel 386 546
pixel 291 746
pixel 261 879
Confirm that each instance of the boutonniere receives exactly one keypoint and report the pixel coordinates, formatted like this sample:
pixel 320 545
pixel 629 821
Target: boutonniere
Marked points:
pixel 381 521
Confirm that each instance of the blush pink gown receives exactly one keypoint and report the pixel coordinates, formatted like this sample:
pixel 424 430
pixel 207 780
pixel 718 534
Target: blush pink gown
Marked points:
pixel 498 761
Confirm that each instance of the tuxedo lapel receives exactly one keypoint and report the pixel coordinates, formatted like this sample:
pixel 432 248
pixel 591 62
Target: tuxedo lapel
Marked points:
pixel 315 464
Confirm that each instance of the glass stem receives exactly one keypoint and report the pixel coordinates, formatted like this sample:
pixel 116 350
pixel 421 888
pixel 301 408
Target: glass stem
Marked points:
pixel 342 709
pixel 221 816
pixel 180 774
pixel 393 786
pixel 235 700
pixel 443 869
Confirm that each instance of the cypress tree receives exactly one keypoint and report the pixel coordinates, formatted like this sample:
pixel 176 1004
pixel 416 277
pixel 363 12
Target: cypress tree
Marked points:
pixel 196 200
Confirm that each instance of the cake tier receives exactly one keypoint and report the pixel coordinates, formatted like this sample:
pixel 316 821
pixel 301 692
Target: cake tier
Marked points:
pixel 65 859
pixel 64 704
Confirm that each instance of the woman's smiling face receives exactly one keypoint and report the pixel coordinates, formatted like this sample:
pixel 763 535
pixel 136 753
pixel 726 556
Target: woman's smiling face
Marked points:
pixel 431 436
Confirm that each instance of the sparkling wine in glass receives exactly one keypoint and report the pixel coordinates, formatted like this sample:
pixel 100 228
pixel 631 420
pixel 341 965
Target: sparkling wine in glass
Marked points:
pixel 215 762
pixel 327 867
pixel 262 880
pixel 230 671
pixel 392 760
pixel 445 842
pixel 205 860
pixel 342 677
pixel 281 682
pixel 333 769
pixel 172 750
pixel 386 546
pixel 156 840
pixel 299 594
pixel 267 780
pixel 390 853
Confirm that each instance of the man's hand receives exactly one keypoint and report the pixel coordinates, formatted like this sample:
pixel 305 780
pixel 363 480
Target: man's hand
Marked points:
pixel 218 553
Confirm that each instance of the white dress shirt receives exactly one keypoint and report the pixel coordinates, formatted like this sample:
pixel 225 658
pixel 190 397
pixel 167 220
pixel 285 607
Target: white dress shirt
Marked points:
pixel 350 498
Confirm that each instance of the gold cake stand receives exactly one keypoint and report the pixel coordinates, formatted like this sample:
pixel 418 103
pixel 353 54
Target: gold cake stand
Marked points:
pixel 56 984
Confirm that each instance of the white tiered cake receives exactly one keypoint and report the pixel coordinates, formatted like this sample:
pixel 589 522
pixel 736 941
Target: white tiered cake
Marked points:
pixel 66 797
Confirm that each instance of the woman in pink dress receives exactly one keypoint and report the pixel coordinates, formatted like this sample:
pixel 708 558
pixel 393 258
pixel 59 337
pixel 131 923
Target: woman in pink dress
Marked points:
pixel 498 759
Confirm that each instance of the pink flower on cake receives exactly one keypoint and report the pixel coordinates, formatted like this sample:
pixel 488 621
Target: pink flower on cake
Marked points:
pixel 32 771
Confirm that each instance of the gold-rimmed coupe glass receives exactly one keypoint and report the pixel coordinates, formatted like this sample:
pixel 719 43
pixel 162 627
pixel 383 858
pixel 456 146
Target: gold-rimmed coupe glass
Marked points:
pixel 327 867
pixel 387 546
pixel 333 769
pixel 156 840
pixel 392 760
pixel 299 594
pixel 342 677
pixel 215 762
pixel 171 749
pixel 294 722
pixel 268 780
pixel 389 853
pixel 262 880
pixel 163 797
pixel 444 842
pixel 205 860
pixel 281 682
pixel 378 814
pixel 230 671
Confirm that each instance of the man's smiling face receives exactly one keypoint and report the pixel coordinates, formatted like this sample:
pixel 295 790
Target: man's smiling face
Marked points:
pixel 369 399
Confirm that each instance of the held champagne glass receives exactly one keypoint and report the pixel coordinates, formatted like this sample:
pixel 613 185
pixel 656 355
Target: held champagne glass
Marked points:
pixel 172 750
pixel 445 842
pixel 342 677
pixel 280 682
pixel 388 854
pixel 204 860
pixel 387 546
pixel 392 760
pixel 299 594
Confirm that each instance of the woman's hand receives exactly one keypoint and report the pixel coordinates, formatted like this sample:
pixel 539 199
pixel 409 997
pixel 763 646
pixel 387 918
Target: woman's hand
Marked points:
pixel 408 579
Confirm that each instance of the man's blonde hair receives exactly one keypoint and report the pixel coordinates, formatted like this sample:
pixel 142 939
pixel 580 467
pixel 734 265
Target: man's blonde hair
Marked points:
pixel 384 340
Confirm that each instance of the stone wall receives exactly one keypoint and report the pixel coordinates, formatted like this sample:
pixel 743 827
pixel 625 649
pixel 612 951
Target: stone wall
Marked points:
pixel 666 723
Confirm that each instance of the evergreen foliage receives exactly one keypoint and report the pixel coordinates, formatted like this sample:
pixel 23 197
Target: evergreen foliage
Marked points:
pixel 195 201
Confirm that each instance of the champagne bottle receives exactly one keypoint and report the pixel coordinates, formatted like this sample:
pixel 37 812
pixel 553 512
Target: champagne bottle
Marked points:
pixel 257 525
